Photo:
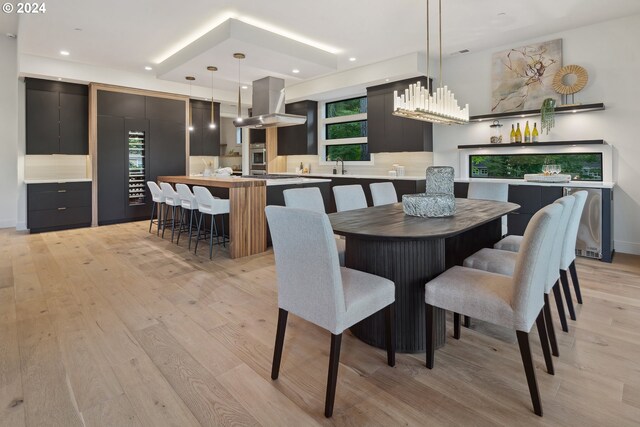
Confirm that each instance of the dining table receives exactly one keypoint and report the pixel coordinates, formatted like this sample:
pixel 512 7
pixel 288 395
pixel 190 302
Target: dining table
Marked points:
pixel 410 251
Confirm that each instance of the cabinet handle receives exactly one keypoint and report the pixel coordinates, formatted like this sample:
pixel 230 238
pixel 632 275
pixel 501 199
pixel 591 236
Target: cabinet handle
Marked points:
pixel 62 209
pixel 62 191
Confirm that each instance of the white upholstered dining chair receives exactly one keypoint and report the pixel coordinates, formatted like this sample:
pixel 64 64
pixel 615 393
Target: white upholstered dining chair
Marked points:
pixel 313 286
pixel 514 302
pixel 310 198
pixel 383 193
pixel 504 262
pixel 349 197
pixel 497 191
pixel 568 254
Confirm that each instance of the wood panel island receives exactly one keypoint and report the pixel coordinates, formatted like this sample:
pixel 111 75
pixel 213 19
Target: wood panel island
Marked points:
pixel 247 200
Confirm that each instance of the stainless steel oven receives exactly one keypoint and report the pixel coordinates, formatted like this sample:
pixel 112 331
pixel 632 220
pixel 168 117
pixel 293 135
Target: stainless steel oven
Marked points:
pixel 258 155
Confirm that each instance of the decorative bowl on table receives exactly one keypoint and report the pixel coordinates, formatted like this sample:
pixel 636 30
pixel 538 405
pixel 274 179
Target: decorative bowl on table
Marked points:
pixel 433 205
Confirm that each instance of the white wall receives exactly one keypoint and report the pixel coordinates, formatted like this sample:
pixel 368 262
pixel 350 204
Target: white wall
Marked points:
pixel 609 51
pixel 8 132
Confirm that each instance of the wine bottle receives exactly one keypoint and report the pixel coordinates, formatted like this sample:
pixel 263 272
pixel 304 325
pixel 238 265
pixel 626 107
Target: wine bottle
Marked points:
pixel 534 134
pixel 518 135
pixel 512 137
pixel 527 133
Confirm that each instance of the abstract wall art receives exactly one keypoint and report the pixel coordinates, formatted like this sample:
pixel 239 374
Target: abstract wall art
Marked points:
pixel 523 77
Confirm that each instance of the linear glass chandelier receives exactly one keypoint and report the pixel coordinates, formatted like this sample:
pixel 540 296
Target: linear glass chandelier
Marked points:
pixel 421 103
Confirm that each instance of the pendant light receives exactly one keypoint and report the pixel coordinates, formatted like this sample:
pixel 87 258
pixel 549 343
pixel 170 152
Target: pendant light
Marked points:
pixel 239 57
pixel 190 79
pixel 419 103
pixel 212 123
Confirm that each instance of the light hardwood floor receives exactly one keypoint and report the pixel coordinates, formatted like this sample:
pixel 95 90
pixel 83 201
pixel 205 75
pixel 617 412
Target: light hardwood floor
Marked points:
pixel 115 326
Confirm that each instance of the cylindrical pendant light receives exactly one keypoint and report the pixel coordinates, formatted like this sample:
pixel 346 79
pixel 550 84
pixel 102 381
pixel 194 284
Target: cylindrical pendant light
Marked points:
pixel 239 57
pixel 190 79
pixel 212 123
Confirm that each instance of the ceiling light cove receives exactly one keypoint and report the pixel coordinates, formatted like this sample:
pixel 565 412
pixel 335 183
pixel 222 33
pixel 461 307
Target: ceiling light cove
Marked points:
pixel 226 15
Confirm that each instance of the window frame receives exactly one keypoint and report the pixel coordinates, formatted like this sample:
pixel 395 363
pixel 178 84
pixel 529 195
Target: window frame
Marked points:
pixel 323 142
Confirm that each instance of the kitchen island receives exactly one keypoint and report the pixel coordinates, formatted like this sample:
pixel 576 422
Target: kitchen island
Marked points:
pixel 247 229
pixel 247 200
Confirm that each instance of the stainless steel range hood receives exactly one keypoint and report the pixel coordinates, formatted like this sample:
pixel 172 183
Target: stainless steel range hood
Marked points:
pixel 268 107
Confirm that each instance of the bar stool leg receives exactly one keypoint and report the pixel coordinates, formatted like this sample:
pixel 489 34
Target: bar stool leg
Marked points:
pixel 198 236
pixel 173 221
pixel 223 241
pixel 164 223
pixel 153 212
pixel 180 226
pixel 190 227
pixel 159 219
pixel 213 224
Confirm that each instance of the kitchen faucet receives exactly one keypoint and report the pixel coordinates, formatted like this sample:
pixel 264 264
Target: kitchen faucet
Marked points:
pixel 339 159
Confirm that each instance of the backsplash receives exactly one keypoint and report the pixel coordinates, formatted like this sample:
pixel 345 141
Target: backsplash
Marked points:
pixel 56 166
pixel 415 164
pixel 197 164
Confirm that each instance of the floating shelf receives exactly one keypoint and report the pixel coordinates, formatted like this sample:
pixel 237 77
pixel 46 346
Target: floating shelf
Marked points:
pixel 535 144
pixel 564 109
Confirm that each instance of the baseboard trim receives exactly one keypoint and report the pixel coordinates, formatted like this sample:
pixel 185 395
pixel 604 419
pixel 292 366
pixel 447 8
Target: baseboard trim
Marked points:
pixel 627 247
pixel 7 223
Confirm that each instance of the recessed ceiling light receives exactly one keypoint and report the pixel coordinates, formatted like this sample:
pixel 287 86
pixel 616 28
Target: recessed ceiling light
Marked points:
pixel 148 68
pixel 78 29
pixel 352 59
pixel 295 71
pixel 59 78
pixel 502 13
pixel 11 35
pixel 245 87
pixel 386 80
pixel 64 52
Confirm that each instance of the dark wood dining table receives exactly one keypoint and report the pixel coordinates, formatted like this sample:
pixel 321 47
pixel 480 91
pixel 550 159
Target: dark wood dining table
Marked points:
pixel 410 251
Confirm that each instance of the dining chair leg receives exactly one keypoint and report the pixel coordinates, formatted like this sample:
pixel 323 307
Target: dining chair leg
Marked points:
pixel 576 283
pixel 561 314
pixel 195 251
pixel 544 341
pixel 529 370
pixel 467 322
pixel 390 333
pixel 277 351
pixel 332 377
pixel 153 212
pixel 430 328
pixel 567 293
pixel 456 325
pixel 550 328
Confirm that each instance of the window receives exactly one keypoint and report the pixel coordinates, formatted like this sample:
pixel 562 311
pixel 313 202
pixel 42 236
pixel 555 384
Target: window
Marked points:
pixel 343 131
pixel 581 166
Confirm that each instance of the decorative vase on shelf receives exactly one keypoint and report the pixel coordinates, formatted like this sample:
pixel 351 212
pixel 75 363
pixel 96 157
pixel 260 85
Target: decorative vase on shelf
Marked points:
pixel 206 172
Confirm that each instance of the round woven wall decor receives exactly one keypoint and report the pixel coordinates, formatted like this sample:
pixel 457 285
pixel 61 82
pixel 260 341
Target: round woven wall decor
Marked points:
pixel 581 79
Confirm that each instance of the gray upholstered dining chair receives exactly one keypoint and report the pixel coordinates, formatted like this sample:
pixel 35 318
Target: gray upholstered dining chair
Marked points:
pixel 504 262
pixel 514 302
pixel 310 198
pixel 383 193
pixel 568 254
pixel 497 191
pixel 313 286
pixel 349 197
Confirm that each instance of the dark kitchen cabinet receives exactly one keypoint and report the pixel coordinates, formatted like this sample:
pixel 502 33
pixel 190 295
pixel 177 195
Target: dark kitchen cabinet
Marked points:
pixel 57 116
pixel 204 141
pixel 133 149
pixel 388 133
pixel 58 206
pixel 300 139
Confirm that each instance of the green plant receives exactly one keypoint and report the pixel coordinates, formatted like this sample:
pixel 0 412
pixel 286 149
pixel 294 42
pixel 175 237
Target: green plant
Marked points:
pixel 547 112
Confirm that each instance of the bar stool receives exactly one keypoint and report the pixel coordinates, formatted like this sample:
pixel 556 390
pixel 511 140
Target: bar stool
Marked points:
pixel 210 205
pixel 171 198
pixel 158 201
pixel 188 203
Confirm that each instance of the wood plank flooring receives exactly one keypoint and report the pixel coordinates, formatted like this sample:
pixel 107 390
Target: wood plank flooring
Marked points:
pixel 113 326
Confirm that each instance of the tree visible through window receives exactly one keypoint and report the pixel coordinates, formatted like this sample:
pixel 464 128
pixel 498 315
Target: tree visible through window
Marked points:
pixel 345 130
pixel 581 166
pixel 348 152
pixel 346 107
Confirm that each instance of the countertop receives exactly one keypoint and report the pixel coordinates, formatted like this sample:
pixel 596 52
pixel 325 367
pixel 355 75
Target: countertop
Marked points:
pixel 210 181
pixel 581 184
pixel 295 180
pixel 56 180
pixel 330 175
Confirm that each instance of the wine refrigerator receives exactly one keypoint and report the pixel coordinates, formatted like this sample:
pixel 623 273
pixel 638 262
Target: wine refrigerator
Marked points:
pixel 137 193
